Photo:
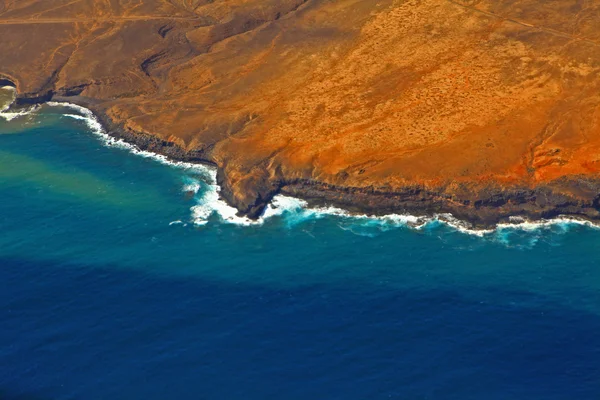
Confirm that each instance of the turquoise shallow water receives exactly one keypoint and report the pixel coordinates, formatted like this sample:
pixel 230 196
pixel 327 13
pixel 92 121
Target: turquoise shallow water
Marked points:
pixel 120 280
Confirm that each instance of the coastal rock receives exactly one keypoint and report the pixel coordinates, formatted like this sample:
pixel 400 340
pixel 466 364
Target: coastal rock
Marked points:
pixel 484 109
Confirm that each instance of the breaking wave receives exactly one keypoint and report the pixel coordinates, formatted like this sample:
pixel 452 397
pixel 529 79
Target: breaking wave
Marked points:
pixel 201 181
pixel 6 101
pixel 210 203
pixel 11 115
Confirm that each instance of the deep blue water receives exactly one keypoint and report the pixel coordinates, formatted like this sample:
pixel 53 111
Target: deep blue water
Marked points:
pixel 104 296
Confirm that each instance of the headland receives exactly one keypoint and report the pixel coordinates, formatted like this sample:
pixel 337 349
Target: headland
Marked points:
pixel 483 109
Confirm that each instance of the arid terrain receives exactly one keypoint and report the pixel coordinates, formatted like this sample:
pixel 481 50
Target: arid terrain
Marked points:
pixel 481 108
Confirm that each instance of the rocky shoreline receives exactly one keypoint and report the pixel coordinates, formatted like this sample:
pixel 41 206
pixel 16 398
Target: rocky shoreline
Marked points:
pixel 486 111
pixel 481 208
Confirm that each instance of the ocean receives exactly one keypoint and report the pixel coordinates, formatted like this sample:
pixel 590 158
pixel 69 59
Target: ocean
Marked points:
pixel 123 276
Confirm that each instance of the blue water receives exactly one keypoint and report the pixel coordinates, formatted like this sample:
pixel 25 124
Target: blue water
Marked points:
pixel 104 296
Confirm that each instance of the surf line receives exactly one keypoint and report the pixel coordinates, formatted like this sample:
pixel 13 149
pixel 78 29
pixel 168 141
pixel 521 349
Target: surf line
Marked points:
pixel 210 202
pixel 8 95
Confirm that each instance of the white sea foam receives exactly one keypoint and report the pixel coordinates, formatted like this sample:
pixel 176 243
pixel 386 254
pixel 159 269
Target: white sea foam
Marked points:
pixel 95 126
pixel 192 187
pixel 7 115
pixel 177 222
pixel 210 204
pixel 560 221
pixel 295 211
pixel 10 115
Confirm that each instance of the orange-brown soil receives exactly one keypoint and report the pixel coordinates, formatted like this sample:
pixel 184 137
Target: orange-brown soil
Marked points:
pixel 478 107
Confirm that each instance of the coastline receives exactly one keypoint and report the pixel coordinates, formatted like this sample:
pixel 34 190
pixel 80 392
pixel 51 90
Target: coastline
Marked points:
pixel 476 212
pixel 377 112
